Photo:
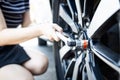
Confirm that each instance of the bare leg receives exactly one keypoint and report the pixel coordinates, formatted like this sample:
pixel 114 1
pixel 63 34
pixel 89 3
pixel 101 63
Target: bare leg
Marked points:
pixel 15 72
pixel 38 63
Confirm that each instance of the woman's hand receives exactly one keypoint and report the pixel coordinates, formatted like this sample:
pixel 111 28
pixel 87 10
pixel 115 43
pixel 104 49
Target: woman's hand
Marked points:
pixel 49 30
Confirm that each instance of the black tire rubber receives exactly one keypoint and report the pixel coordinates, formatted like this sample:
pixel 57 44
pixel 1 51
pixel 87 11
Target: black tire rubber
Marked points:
pixel 55 12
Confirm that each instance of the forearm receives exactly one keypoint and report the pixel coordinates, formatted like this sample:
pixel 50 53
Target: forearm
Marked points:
pixel 17 35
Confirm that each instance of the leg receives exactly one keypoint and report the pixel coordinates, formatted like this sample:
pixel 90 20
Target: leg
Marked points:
pixel 15 72
pixel 38 63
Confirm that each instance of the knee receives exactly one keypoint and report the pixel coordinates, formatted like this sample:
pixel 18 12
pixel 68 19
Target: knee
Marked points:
pixel 15 72
pixel 8 77
pixel 30 78
pixel 26 78
pixel 39 67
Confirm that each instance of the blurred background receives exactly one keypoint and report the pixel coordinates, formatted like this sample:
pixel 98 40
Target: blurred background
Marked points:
pixel 40 11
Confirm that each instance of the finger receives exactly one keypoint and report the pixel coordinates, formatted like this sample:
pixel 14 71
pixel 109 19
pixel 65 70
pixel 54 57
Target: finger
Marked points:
pixel 51 38
pixel 55 36
pixel 57 27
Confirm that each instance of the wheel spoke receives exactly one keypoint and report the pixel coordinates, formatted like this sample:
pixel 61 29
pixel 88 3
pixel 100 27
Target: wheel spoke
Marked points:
pixel 106 59
pixel 69 2
pixel 92 72
pixel 64 51
pixel 78 6
pixel 84 8
pixel 102 14
pixel 63 14
pixel 91 69
pixel 88 8
pixel 78 65
pixel 70 68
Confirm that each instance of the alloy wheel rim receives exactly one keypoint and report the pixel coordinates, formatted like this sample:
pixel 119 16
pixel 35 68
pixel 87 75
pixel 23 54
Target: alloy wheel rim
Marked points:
pixel 70 21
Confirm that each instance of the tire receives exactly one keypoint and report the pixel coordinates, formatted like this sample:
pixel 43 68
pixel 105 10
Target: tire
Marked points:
pixel 94 27
pixel 50 1
pixel 55 12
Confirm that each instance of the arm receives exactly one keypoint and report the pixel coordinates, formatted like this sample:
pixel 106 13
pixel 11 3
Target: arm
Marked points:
pixel 9 36
pixel 26 19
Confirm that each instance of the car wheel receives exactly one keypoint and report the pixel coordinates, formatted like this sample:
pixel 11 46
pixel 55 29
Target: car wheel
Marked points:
pixel 91 29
